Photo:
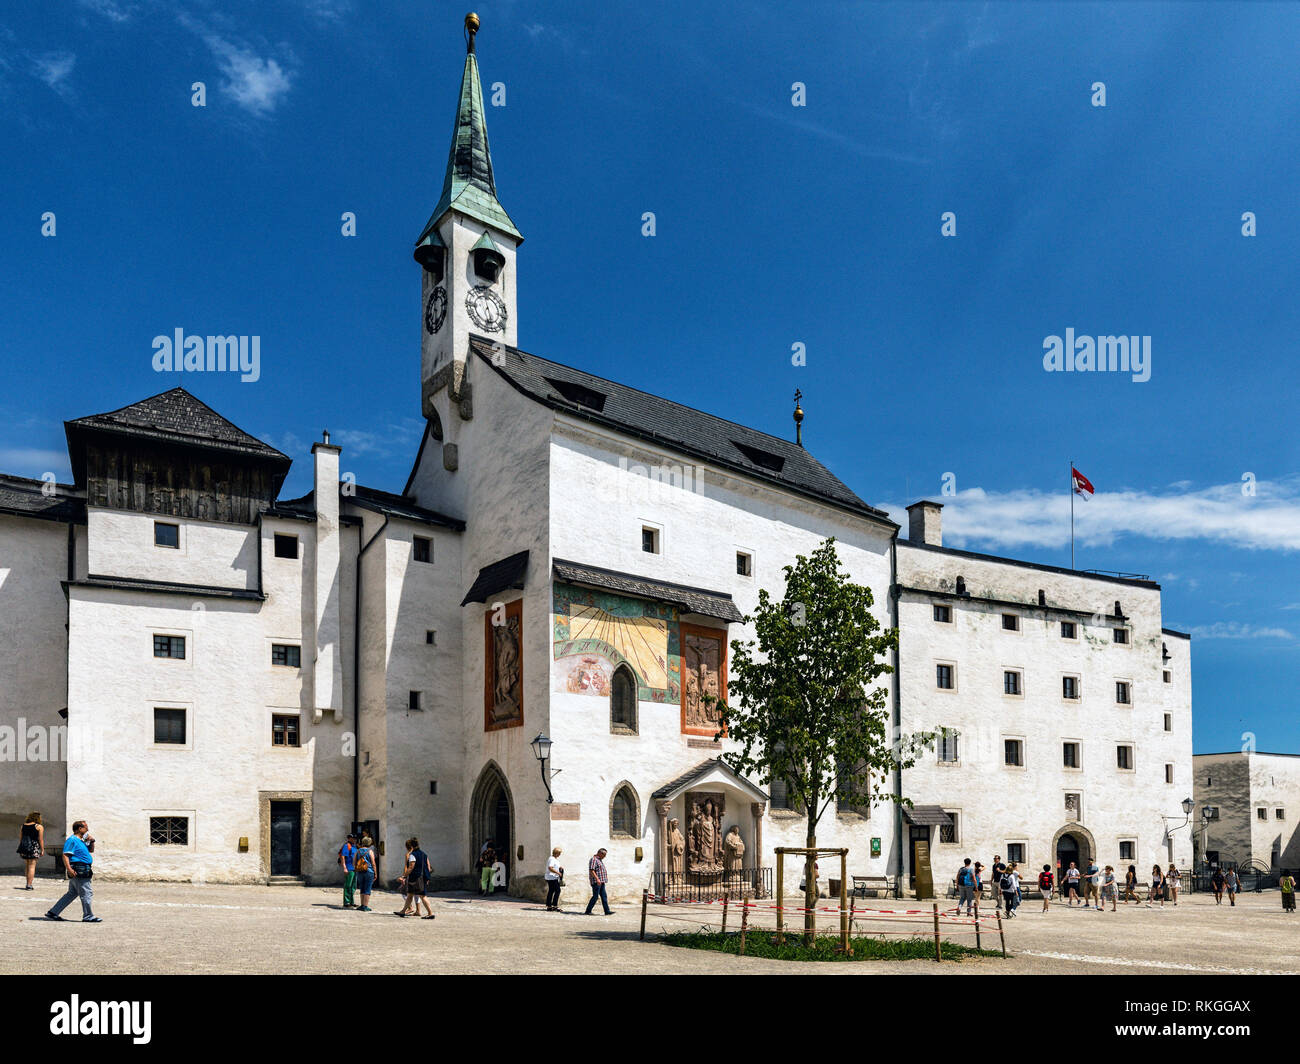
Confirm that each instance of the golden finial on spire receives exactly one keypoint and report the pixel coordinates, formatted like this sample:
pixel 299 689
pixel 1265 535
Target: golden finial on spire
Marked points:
pixel 798 418
pixel 471 28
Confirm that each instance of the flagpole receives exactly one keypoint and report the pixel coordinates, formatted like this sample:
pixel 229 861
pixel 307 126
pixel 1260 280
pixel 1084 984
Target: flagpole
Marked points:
pixel 1071 513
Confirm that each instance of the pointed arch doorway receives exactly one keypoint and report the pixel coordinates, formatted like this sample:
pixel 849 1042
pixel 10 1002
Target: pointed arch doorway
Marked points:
pixel 492 816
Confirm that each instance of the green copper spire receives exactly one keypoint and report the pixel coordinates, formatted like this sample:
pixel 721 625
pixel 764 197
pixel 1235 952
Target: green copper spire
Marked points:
pixel 468 186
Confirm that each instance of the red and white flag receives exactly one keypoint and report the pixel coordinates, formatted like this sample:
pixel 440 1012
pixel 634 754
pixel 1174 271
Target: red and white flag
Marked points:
pixel 1082 485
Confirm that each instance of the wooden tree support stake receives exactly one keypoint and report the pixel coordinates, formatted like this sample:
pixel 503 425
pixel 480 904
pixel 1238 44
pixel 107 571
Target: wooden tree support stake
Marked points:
pixel 645 900
pixel 744 924
pixel 938 952
pixel 1001 936
pixel 725 899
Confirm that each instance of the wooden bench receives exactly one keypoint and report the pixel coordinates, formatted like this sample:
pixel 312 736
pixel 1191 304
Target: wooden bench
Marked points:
pixel 862 884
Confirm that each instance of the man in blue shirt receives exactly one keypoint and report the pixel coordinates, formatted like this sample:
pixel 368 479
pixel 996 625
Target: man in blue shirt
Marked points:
pixel 347 858
pixel 77 860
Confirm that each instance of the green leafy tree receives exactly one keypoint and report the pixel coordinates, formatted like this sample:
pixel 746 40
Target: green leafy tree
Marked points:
pixel 805 705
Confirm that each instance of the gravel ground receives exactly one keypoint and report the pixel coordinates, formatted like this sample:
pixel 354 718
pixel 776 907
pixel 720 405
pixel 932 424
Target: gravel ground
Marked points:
pixel 181 928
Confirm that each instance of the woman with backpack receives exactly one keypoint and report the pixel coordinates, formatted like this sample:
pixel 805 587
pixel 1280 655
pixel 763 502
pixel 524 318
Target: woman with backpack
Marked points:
pixel 1045 885
pixel 1287 883
pixel 1010 890
pixel 364 861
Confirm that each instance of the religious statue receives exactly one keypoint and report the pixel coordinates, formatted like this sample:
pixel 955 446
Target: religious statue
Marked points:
pixel 733 851
pixel 507 700
pixel 704 854
pixel 701 680
pixel 676 849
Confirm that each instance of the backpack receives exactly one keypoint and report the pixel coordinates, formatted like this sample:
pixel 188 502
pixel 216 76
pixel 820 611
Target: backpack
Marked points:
pixel 964 877
pixel 362 863
pixel 1045 880
pixel 422 869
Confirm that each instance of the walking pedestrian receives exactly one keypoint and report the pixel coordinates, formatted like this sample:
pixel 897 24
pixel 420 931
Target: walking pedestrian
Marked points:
pixel 416 879
pixel 966 888
pixel 1130 884
pixel 1092 886
pixel 1216 883
pixel 979 884
pixel 31 845
pixel 1010 890
pixel 1157 886
pixel 364 861
pixel 1072 885
pixel 1233 884
pixel 1045 885
pixel 599 880
pixel 486 859
pixel 996 869
pixel 1287 883
pixel 1173 878
pixel 1108 889
pixel 347 862
pixel 77 861
pixel 554 881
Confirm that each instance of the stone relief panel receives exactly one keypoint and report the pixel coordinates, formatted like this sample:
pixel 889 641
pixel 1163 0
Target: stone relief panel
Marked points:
pixel 704 678
pixel 503 699
pixel 704 844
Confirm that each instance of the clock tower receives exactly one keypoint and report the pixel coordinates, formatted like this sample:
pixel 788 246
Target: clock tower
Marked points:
pixel 467 256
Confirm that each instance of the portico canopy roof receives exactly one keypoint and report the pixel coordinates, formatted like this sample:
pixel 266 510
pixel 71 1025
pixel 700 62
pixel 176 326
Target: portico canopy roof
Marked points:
pixel 715 770
pixel 923 815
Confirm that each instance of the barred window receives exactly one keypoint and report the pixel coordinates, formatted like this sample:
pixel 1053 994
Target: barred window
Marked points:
pixel 169 646
pixel 622 814
pixel 1068 630
pixel 622 701
pixel 949 832
pixel 284 730
pixel 1010 682
pixel 1011 622
pixel 942 614
pixel 1015 853
pixel 169 831
pixel 169 726
pixel 284 654
pixel 1120 635
pixel 1127 848
pixel 947 744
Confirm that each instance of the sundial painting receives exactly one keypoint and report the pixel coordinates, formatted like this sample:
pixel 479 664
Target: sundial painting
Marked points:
pixel 596 632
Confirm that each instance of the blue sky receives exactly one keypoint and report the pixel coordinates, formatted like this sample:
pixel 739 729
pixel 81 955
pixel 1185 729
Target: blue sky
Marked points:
pixel 776 225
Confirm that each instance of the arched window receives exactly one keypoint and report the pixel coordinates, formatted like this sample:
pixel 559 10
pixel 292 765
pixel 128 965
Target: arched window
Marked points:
pixel 622 702
pixel 624 815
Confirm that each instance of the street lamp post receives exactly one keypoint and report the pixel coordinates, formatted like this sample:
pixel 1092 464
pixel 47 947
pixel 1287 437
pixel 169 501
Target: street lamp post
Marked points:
pixel 542 751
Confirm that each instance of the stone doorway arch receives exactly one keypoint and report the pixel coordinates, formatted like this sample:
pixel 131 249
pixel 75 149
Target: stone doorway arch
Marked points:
pixel 1084 845
pixel 492 816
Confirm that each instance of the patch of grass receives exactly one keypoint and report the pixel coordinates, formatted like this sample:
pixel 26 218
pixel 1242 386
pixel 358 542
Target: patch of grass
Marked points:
pixel 825 948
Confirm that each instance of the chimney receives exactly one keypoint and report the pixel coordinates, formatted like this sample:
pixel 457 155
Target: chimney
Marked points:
pixel 327 671
pixel 923 523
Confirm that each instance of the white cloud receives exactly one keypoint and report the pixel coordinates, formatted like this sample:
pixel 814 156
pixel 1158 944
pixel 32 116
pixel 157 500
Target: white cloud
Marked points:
pixel 54 68
pixel 1236 630
pixel 400 438
pixel 110 9
pixel 255 84
pixel 1269 520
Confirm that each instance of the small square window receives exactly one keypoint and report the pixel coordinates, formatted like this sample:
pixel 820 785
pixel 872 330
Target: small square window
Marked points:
pixel 1169 676
pixel 1169 722
pixel 744 564
pixel 1122 695
pixel 1126 850
pixel 649 540
pixel 1169 773
pixel 166 535
pixel 284 730
pixel 169 831
pixel 1069 630
pixel 942 614
pixel 943 677
pixel 169 727
pixel 422 549
pixel 1013 752
pixel 1120 635
pixel 414 700
pixel 431 637
pixel 1070 754
pixel 949 832
pixel 1015 853
pixel 1124 757
pixel 169 646
pixel 1070 687
pixel 1261 814
pixel 286 546
pixel 1010 682
pixel 283 654
pixel 1010 622
pixel 1279 814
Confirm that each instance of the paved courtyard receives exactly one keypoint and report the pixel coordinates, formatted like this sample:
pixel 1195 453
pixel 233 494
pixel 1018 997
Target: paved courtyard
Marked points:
pixel 180 928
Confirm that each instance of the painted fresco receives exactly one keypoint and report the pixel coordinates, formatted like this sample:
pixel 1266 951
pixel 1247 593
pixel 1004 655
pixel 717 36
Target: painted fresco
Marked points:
pixel 596 632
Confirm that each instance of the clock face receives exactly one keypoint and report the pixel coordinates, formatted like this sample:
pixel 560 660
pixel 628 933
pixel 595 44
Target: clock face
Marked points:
pixel 435 310
pixel 486 309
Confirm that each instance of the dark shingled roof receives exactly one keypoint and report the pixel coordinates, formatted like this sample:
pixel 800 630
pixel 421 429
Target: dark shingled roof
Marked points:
pixel 166 587
pixel 177 417
pixel 385 502
pixel 920 815
pixel 699 772
pixel 508 573
pixel 24 497
pixel 691 432
pixel 691 599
